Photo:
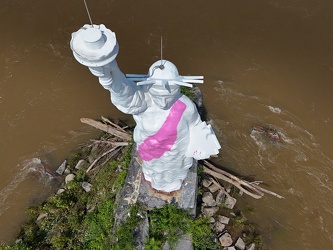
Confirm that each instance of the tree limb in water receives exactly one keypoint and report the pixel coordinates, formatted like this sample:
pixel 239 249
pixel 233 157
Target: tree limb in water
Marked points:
pixel 251 189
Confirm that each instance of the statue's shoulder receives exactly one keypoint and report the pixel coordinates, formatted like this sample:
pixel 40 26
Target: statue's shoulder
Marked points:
pixel 190 106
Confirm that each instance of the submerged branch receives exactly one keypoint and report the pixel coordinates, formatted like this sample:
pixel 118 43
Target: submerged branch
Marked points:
pixel 251 189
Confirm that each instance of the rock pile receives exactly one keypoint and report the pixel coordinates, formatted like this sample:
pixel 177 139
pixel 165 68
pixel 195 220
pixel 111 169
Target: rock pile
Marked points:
pixel 219 205
pixel 63 170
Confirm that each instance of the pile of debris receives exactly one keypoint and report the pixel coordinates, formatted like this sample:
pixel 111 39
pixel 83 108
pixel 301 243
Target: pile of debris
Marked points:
pixel 219 205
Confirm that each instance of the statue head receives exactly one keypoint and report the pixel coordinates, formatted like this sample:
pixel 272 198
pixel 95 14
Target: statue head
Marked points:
pixel 163 70
pixel 164 91
pixel 164 82
pixel 164 96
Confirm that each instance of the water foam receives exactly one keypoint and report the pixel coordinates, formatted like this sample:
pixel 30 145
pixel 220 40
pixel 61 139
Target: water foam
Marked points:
pixel 26 168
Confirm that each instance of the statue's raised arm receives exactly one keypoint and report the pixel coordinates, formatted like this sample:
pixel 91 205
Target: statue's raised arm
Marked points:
pixel 96 47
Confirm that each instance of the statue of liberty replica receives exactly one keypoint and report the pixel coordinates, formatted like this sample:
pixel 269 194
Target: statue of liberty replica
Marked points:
pixel 169 132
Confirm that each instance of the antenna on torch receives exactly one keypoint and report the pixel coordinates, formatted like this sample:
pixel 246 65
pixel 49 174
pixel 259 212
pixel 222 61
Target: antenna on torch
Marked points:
pixel 161 66
pixel 85 4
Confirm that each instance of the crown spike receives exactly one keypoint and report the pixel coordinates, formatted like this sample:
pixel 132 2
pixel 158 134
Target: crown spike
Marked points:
pixel 192 81
pixel 147 82
pixel 136 75
pixel 193 77
pixel 180 83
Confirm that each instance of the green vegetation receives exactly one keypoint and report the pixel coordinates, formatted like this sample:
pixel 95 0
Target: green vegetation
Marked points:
pixel 170 223
pixel 239 219
pixel 200 176
pixel 187 91
pixel 124 236
pixel 76 219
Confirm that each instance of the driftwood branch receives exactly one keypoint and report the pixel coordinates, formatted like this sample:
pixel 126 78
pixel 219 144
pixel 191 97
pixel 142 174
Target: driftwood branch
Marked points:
pixel 113 143
pixel 220 186
pixel 269 192
pixel 251 189
pixel 106 128
pixel 101 156
pixel 113 124
pixel 237 184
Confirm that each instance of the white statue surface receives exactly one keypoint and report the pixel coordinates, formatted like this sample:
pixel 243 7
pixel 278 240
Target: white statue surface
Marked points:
pixel 169 132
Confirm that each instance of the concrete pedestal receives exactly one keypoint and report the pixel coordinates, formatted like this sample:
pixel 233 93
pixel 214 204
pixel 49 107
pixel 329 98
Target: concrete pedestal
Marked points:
pixel 138 190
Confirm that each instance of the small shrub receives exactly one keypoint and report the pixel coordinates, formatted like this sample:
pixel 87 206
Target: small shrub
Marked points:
pixel 170 223
pixel 98 226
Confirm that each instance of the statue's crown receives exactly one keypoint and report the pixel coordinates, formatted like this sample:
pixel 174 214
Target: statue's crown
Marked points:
pixel 164 73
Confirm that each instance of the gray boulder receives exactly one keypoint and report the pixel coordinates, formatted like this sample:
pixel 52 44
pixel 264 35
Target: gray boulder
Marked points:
pixel 61 169
pixel 225 240
pixel 208 199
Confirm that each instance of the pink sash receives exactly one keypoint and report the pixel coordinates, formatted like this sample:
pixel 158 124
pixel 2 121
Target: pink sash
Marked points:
pixel 162 141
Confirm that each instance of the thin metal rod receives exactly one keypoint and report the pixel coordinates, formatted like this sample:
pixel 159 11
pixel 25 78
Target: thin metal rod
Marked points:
pixel 161 66
pixel 85 4
pixel 161 48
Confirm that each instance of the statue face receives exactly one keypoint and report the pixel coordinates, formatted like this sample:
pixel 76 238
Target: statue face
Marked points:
pixel 163 97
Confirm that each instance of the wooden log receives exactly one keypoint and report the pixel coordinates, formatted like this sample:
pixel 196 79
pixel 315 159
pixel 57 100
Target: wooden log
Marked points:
pixel 106 128
pixel 248 188
pixel 113 124
pixel 255 194
pixel 269 192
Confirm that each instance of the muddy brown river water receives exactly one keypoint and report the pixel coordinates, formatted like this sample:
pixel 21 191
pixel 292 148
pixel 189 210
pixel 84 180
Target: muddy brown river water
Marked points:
pixel 265 62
